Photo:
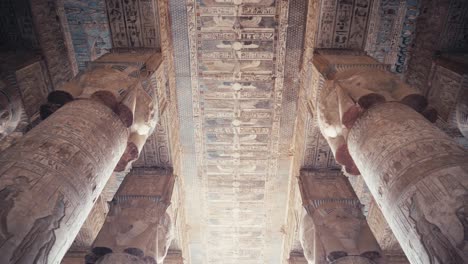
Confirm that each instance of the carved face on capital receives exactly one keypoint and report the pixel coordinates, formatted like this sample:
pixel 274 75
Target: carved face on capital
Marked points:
pixel 164 237
pixel 6 114
pixel 342 223
pixel 307 238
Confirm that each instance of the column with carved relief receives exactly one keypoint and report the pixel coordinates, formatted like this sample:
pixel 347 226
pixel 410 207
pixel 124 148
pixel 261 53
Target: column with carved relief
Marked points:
pixel 137 228
pixel 415 172
pixel 419 177
pixel 334 230
pixel 50 179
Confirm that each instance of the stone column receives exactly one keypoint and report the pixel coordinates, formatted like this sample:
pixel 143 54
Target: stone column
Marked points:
pixel 51 177
pixel 416 173
pixel 419 178
pixel 334 230
pixel 137 228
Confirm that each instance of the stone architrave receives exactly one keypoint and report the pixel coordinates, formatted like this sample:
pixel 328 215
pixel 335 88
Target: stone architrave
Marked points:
pixel 334 230
pixel 137 228
pixel 51 178
pixel 418 177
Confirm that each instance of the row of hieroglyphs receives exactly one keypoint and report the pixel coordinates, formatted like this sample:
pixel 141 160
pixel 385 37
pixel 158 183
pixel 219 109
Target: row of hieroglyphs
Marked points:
pixel 133 23
pixel 343 23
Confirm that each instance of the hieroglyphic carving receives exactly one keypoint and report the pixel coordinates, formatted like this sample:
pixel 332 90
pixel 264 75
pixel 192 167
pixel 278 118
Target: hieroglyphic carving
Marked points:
pixel 122 81
pixel 343 23
pixel 403 39
pixel 34 86
pixel 89 29
pixel 16 24
pixel 134 23
pixel 427 37
pixel 454 36
pixel 445 86
pixel 64 161
pixel 383 24
pixel 419 182
pixel 239 56
pixel 117 23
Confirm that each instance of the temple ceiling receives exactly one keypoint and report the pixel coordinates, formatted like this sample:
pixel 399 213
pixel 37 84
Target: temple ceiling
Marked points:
pixel 243 88
pixel 236 66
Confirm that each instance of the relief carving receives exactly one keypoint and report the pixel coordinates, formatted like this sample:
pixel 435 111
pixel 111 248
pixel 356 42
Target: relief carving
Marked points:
pixel 351 92
pixel 462 215
pixel 40 239
pixel 339 226
pixel 438 247
pixel 7 202
pixel 343 23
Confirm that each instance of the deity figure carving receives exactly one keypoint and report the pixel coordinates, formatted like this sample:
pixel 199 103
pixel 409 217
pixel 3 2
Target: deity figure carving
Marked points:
pixel 37 244
pixel 7 202
pixel 437 246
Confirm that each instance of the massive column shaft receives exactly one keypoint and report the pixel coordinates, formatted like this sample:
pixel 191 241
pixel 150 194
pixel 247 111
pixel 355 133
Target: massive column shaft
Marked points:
pixel 419 178
pixel 334 229
pixel 50 179
pixel 137 228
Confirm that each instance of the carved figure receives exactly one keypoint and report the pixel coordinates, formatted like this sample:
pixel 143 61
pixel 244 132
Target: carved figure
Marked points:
pixel 313 250
pixel 438 247
pixel 7 202
pixel 165 234
pixel 10 112
pixel 40 239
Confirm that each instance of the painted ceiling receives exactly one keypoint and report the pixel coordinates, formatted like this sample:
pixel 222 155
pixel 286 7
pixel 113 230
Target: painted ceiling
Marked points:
pixel 236 69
